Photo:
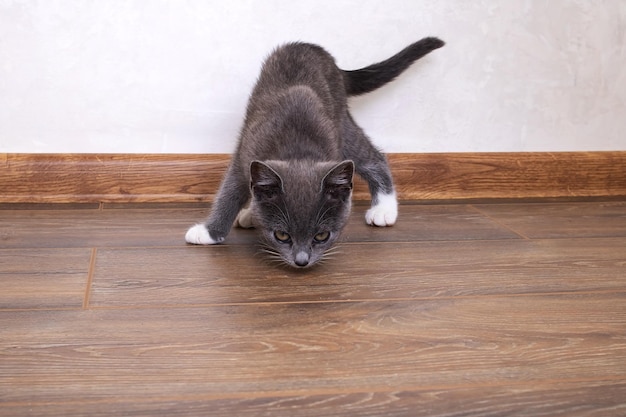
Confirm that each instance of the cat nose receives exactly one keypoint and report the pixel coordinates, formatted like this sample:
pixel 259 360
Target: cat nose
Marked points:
pixel 302 259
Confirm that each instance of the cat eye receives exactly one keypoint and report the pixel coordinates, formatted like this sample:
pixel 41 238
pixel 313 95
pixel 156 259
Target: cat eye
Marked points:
pixel 321 237
pixel 282 236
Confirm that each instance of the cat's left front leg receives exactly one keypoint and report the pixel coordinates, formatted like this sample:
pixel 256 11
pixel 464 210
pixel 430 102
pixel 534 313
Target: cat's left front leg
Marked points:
pixel 372 166
pixel 384 210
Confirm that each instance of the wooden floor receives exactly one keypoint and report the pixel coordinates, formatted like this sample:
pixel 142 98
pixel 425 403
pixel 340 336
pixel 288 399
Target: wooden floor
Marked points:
pixel 458 310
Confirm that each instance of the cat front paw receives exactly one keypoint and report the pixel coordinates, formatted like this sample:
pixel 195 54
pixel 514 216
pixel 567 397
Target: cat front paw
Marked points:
pixel 199 235
pixel 384 212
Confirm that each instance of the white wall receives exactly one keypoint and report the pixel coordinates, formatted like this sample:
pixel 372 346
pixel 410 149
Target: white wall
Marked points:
pixel 154 76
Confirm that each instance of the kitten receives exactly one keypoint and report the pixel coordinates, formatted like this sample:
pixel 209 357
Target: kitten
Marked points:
pixel 297 152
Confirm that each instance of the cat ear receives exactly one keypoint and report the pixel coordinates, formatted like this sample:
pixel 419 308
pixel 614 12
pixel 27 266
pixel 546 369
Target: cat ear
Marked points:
pixel 264 181
pixel 337 183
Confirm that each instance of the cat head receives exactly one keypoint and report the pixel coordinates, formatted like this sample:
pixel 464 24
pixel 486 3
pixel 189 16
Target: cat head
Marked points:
pixel 301 206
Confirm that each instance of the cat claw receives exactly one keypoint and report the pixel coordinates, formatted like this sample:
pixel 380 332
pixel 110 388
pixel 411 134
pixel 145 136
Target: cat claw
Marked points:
pixel 199 235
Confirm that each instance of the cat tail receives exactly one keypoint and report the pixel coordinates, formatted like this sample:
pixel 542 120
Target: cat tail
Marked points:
pixel 370 78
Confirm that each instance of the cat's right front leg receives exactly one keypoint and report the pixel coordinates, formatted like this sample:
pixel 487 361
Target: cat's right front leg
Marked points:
pixel 231 198
pixel 200 235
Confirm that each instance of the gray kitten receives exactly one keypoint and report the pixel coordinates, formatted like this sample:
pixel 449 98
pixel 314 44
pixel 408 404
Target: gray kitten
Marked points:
pixel 297 152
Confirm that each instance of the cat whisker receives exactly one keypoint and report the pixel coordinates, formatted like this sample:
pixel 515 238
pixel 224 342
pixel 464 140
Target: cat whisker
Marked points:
pixel 270 254
pixel 267 249
pixel 329 255
pixel 335 250
pixel 320 215
pixel 273 260
pixel 284 214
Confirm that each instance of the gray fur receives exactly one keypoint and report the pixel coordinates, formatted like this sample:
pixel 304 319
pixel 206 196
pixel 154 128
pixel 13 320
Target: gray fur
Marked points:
pixel 299 147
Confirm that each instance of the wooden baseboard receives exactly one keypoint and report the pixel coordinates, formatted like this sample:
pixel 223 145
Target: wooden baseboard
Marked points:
pixel 72 178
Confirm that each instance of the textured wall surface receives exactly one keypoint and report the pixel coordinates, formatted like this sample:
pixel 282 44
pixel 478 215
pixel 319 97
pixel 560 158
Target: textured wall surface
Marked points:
pixel 174 76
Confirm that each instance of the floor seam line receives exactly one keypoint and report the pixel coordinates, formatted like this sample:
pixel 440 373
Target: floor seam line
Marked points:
pixel 499 223
pixel 90 274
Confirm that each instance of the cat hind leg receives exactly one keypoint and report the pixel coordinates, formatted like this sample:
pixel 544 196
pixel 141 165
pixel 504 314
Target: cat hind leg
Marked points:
pixel 245 219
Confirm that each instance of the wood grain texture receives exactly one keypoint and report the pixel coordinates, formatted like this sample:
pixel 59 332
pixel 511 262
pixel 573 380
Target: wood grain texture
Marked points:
pixel 558 221
pixel 460 309
pixel 167 226
pixel 43 278
pixel 63 178
pixel 187 178
pixel 203 275
pixel 601 398
pixel 510 175
pixel 311 347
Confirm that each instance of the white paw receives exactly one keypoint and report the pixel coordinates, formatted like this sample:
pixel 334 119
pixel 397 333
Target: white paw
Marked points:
pixel 385 212
pixel 245 219
pixel 199 235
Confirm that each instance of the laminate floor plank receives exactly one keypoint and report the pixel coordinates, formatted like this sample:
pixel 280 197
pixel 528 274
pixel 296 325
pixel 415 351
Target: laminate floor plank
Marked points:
pixel 238 274
pixel 420 222
pixel 167 226
pixel 96 228
pixel 262 350
pixel 603 398
pixel 561 220
pixel 43 278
